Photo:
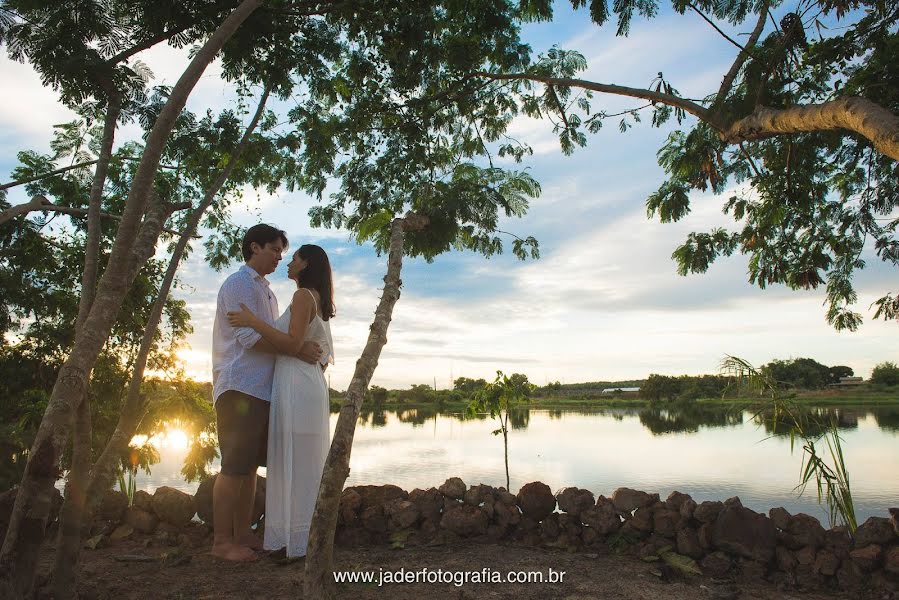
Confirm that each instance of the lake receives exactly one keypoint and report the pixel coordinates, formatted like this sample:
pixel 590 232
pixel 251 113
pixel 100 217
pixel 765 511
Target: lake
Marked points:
pixel 711 453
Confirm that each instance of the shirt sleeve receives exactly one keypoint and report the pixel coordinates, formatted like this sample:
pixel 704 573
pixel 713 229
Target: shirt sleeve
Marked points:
pixel 236 292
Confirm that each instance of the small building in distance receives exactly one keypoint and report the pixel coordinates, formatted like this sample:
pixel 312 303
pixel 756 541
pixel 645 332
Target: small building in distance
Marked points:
pixel 848 382
pixel 623 390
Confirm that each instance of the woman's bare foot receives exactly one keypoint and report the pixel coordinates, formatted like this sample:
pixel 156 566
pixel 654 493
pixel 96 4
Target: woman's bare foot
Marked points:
pixel 251 541
pixel 233 552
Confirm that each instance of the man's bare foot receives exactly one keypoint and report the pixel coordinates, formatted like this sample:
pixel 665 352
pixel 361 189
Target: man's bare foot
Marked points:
pixel 233 552
pixel 251 541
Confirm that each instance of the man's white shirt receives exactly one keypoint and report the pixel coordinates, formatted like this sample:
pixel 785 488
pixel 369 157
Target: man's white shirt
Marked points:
pixel 235 365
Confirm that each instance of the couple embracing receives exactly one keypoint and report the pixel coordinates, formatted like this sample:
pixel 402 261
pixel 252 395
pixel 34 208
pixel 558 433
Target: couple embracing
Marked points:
pixel 271 399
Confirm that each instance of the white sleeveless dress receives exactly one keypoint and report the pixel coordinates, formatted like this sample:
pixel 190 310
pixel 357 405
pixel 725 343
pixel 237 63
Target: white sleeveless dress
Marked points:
pixel 298 442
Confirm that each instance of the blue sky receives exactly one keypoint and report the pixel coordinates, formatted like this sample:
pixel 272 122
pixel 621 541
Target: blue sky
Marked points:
pixel 604 301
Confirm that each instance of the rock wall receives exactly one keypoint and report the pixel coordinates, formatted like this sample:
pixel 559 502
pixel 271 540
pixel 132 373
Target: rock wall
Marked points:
pixel 716 539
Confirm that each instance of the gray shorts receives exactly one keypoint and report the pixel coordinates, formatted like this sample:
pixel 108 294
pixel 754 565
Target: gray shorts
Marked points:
pixel 242 424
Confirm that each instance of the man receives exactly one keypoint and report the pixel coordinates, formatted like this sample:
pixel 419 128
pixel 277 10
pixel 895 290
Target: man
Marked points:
pixel 242 368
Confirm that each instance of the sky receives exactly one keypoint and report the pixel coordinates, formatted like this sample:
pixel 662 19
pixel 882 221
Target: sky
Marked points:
pixel 604 301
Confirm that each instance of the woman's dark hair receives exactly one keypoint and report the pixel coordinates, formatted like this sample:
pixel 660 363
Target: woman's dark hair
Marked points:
pixel 317 276
pixel 262 234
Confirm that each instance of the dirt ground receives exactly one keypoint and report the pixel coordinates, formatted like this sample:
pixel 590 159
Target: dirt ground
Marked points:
pixel 181 574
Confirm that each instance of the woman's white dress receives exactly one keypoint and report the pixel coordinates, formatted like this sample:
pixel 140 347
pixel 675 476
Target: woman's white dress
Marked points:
pixel 298 442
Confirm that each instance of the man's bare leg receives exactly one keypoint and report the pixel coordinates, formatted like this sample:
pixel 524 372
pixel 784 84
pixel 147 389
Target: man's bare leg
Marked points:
pixel 225 497
pixel 243 514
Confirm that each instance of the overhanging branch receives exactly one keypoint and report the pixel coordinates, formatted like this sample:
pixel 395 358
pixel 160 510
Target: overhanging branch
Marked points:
pixel 859 115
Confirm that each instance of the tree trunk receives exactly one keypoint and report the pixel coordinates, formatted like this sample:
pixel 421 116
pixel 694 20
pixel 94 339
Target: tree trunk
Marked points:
pixel 133 409
pixel 318 579
pixel 18 558
pixel 70 519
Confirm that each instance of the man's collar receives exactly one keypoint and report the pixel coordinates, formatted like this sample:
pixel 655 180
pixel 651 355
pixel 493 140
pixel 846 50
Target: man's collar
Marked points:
pixel 254 273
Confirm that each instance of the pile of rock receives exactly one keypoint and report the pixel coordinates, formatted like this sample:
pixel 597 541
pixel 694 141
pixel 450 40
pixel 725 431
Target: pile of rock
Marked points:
pixel 167 514
pixel 719 539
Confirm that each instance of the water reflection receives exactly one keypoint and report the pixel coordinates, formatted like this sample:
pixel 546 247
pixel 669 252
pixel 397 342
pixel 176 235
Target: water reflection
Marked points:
pixel 711 453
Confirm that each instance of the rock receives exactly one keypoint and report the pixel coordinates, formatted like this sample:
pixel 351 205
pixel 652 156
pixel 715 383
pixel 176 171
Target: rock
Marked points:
pixel 894 519
pixel 122 532
pixel 642 520
pixel 465 520
pixel 478 495
pixel 453 488
pixel 706 534
pixel 589 536
pixel 665 522
pixel 143 500
pixel 806 556
pixel 891 561
pixel 687 509
pixel 734 501
pixel 350 503
pixel 806 530
pixel 536 500
pixel 173 506
pixel 876 530
pixel 780 517
pixel 867 558
pixel 549 528
pixel 574 500
pixel 786 560
pixel 429 502
pixel 850 576
pixel 141 520
pixel 505 516
pixel 716 564
pixel 401 514
pixel 601 518
pixel 505 497
pixel 826 563
pixel 688 543
pixel 837 540
pixel 752 570
pixel 113 506
pixel 708 511
pixel 378 495
pixel 675 500
pixel 373 519
pixel 628 500
pixel 745 533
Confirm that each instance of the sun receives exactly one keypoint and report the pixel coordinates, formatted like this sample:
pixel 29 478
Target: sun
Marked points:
pixel 171 438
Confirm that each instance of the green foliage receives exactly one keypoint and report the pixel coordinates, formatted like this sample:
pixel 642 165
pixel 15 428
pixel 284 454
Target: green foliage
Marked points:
pixel 499 399
pixel 802 373
pixel 885 373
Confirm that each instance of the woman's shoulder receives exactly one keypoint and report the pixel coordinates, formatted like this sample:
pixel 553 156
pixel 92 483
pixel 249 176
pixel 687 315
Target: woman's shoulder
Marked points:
pixel 305 296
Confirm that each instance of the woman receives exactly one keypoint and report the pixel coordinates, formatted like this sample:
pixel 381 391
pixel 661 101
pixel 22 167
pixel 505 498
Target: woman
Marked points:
pixel 298 439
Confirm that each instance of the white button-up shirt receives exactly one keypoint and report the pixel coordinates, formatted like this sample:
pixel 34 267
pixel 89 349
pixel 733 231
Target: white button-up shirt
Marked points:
pixel 235 365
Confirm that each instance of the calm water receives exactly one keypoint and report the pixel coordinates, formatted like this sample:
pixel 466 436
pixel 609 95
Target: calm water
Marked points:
pixel 711 454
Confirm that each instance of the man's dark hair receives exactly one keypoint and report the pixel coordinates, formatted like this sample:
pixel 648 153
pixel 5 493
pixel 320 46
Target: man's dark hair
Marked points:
pixel 262 234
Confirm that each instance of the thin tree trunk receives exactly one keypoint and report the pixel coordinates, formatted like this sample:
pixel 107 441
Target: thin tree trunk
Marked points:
pixel 70 519
pixel 134 408
pixel 40 203
pixel 18 558
pixel 506 448
pixel 13 184
pixel 318 579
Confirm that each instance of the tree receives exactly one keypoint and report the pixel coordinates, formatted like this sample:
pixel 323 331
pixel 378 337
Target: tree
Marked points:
pixel 804 122
pixel 837 372
pixel 500 398
pixel 802 373
pixel 139 228
pixel 885 373
pixel 657 387
pixel 468 387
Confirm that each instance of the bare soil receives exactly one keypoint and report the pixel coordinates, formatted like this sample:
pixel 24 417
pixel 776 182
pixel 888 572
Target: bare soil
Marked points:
pixel 176 572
